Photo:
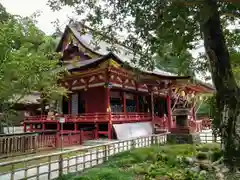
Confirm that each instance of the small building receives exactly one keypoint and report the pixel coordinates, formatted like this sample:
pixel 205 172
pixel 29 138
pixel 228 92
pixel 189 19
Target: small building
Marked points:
pixel 109 96
pixel 26 106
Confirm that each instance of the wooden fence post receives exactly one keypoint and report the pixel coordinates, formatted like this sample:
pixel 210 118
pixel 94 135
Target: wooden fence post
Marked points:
pixel 57 140
pixel 12 172
pixel 60 165
pixel 152 140
pixel 81 136
pixel 133 144
pixel 35 143
pixel 105 153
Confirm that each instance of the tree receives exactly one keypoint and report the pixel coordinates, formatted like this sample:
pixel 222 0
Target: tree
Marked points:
pixel 181 64
pixel 27 62
pixel 150 25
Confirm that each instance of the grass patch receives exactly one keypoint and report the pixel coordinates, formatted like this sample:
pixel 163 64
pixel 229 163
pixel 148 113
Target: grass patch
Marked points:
pixel 167 162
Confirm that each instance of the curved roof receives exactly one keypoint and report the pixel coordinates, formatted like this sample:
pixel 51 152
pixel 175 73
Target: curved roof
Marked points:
pixel 122 55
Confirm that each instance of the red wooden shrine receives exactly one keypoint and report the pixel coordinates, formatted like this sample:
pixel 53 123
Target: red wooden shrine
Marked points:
pixel 105 90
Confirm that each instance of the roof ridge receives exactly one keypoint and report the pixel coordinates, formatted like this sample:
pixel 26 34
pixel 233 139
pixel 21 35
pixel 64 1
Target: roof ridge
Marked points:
pixel 101 34
pixel 74 27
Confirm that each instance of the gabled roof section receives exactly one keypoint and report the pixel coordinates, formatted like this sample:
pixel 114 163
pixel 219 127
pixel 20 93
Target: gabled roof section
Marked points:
pixel 76 34
pixel 122 56
pixel 86 40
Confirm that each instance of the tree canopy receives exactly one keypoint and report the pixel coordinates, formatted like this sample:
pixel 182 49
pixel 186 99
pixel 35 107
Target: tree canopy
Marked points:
pixel 151 26
pixel 180 25
pixel 27 61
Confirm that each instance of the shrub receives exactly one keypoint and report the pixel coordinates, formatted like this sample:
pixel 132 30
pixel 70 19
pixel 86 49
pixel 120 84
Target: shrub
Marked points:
pixel 164 162
pixel 142 154
pixel 128 162
pixel 138 169
pixel 162 157
pixel 216 155
pixel 208 147
pixel 202 155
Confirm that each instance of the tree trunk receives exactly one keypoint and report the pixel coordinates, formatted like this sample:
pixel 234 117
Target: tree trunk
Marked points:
pixel 227 91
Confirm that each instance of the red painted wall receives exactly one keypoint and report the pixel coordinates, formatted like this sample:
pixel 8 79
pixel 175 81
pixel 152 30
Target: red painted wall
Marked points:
pixel 95 99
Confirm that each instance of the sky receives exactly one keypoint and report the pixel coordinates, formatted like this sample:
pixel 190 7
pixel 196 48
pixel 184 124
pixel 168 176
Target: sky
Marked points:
pixel 28 7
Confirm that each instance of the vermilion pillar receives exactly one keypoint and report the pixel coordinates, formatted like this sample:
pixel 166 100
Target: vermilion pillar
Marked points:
pixel 69 103
pixel 96 136
pixel 107 99
pixel 108 109
pixel 194 113
pixel 124 103
pixel 43 126
pixel 58 140
pixel 31 128
pixel 169 109
pixel 152 106
pixel 75 127
pixel 24 127
pixel 137 103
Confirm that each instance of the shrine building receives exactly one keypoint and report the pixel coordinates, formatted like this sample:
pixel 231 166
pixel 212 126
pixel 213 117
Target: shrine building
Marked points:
pixel 109 96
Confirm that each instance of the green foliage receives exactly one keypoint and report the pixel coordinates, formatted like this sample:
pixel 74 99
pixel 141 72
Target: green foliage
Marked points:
pixel 146 163
pixel 208 147
pixel 202 155
pixel 215 115
pixel 27 62
pixel 105 174
pixel 212 151
pixel 182 64
pixel 166 28
pixel 216 155
pixel 204 109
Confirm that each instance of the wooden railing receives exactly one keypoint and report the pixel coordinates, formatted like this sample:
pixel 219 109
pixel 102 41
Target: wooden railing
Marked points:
pixel 52 166
pixel 92 117
pixel 120 117
pixel 46 141
pixel 131 117
pixel 206 123
pixel 16 144
pixel 25 143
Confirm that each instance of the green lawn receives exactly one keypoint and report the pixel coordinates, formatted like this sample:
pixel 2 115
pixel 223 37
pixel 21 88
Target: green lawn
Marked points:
pixel 169 162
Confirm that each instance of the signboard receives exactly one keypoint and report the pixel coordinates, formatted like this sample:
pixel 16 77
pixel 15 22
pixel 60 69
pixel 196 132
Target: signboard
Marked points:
pixel 61 120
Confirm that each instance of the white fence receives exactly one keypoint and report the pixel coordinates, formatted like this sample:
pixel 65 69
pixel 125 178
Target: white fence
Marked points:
pixel 54 165
pixel 13 130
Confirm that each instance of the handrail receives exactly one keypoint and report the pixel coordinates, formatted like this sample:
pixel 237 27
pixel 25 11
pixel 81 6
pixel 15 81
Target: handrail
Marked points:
pixel 74 150
pixel 90 117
